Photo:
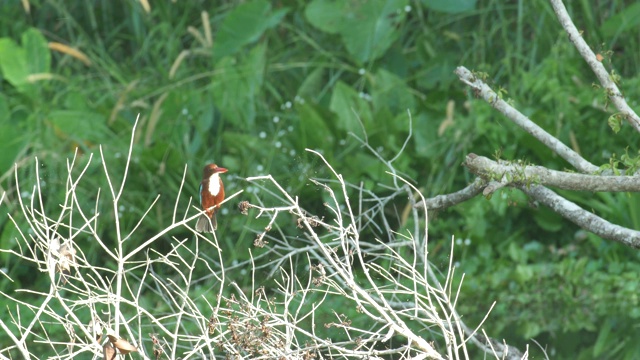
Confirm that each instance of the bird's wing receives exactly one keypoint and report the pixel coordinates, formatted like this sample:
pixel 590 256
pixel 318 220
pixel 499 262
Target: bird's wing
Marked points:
pixel 200 194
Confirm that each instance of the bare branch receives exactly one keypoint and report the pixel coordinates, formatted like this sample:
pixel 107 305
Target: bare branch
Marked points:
pixel 581 217
pixel 606 79
pixel 514 173
pixel 448 200
pixel 484 91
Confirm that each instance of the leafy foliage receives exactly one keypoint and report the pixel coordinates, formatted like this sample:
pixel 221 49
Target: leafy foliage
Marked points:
pixel 278 78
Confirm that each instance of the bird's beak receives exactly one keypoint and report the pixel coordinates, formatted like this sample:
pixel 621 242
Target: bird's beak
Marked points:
pixel 220 170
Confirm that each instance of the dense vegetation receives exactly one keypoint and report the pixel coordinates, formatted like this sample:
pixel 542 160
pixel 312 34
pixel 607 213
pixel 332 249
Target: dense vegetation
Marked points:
pixel 251 84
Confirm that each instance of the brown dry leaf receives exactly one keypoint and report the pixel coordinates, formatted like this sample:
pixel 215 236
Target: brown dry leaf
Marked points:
pixel 122 345
pixel 67 255
pixel 108 352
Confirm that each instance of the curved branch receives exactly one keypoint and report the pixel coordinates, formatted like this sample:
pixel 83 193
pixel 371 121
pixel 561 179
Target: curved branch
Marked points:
pixel 599 70
pixel 508 173
pixel 581 217
pixel 448 200
pixel 483 90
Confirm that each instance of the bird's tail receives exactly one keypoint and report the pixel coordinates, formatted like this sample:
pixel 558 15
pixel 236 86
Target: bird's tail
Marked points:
pixel 205 224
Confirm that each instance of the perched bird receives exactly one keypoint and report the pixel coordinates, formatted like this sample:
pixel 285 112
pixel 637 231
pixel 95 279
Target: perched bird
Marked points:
pixel 211 195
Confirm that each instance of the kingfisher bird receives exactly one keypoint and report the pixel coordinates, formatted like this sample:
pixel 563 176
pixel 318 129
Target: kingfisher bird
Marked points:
pixel 211 195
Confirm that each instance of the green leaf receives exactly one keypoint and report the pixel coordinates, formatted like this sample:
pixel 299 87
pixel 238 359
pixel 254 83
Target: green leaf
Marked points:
pixel 13 63
pixel 312 85
pixel 237 86
pixel 244 25
pixel 548 220
pixel 627 19
pixel 37 51
pixel 12 137
pixel 524 273
pixel 80 126
pixel 313 131
pixel 327 15
pixel 367 28
pixel 19 62
pixel 604 340
pixel 517 253
pixel 390 91
pixel 450 6
pixel 615 122
pixel 353 112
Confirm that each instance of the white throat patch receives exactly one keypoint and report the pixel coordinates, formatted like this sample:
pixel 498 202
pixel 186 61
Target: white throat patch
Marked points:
pixel 214 184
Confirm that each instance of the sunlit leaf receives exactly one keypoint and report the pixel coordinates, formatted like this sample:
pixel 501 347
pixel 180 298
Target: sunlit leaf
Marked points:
pixel 244 25
pixel 367 28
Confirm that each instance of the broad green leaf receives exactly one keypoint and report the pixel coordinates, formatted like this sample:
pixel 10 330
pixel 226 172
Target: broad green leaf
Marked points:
pixel 37 51
pixel 437 73
pixel 313 84
pixel 4 108
pixel 374 27
pixel 517 253
pixel 524 273
pixel 12 137
pixel 19 62
pixel 391 92
pixel 13 63
pixel 313 131
pixel 530 329
pixel 450 6
pixel 244 25
pixel 353 112
pixel 627 19
pixel 236 86
pixel 367 28
pixel 82 127
pixel 327 16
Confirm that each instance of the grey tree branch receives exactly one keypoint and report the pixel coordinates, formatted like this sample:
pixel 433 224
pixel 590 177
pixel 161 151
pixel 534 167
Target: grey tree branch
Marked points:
pixel 599 70
pixel 512 173
pixel 581 217
pixel 484 91
pixel 528 178
pixel 448 200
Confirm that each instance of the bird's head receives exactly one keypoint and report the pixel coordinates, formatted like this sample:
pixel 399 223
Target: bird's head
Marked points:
pixel 212 169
